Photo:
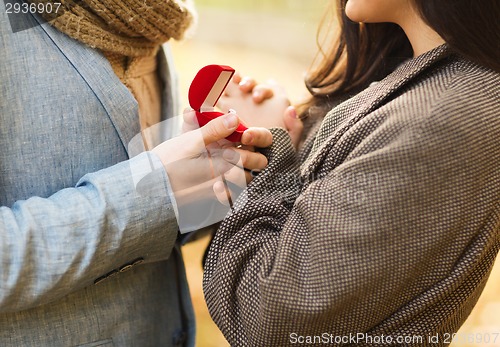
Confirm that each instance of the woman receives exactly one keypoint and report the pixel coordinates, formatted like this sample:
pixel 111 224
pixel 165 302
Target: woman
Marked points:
pixel 385 230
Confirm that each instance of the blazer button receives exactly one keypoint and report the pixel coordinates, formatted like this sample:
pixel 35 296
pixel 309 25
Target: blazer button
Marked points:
pixel 126 268
pixel 122 269
pixel 137 261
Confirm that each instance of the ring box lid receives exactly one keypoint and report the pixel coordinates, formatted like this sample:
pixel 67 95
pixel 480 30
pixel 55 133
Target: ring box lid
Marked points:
pixel 207 87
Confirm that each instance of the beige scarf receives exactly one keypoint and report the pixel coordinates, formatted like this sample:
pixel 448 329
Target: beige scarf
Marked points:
pixel 129 33
pixel 130 28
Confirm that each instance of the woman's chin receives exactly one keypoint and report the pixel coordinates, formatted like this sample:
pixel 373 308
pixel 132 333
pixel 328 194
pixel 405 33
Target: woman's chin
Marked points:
pixel 354 13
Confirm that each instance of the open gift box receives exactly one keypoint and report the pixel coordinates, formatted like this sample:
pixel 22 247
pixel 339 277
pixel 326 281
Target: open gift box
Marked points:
pixel 204 92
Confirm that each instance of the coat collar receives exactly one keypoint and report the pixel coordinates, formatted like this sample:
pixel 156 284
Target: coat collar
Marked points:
pixel 119 104
pixel 344 116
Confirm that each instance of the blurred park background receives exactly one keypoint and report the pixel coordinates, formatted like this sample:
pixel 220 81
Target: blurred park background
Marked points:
pixel 277 40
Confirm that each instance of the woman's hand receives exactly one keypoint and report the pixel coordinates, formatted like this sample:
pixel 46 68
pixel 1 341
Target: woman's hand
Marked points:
pixel 257 105
pixel 293 125
pixel 260 92
pixel 269 100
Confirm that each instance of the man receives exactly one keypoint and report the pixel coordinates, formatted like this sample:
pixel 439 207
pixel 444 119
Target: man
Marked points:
pixel 85 258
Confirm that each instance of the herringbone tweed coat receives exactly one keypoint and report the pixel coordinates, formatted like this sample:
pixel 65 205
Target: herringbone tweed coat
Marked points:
pixel 388 229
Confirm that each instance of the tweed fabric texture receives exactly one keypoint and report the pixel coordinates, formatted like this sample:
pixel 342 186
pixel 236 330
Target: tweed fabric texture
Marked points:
pixel 389 228
pixel 132 28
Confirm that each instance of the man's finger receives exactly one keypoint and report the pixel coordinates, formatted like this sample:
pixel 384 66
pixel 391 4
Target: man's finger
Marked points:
pixel 246 159
pixel 221 193
pixel 219 128
pixel 258 137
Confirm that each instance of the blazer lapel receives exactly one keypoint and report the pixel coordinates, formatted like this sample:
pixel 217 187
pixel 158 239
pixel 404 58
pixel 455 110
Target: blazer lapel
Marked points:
pixel 344 116
pixel 116 99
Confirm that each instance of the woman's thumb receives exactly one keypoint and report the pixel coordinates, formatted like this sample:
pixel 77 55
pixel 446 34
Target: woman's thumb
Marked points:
pixel 293 124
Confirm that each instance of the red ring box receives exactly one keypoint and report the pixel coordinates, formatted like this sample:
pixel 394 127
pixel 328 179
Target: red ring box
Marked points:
pixel 204 92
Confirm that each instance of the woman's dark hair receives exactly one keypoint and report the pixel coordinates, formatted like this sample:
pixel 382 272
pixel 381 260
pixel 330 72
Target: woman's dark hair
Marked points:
pixel 363 53
pixel 470 27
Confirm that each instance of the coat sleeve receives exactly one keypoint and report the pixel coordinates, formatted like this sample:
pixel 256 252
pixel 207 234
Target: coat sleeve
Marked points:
pixel 398 226
pixel 54 246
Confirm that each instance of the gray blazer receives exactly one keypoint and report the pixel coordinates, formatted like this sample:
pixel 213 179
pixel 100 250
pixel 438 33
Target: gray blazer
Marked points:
pixel 390 227
pixel 87 251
